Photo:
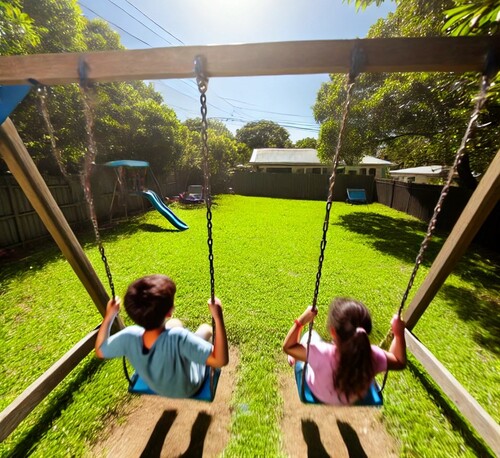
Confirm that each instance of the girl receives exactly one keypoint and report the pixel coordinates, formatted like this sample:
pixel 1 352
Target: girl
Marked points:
pixel 341 372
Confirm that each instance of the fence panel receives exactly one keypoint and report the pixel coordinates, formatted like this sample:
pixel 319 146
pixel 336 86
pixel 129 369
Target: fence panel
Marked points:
pixel 299 186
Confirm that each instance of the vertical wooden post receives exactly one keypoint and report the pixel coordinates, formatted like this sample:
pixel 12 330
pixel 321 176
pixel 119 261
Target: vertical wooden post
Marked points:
pixel 27 175
pixel 482 201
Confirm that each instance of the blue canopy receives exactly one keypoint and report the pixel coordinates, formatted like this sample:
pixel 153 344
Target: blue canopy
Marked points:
pixel 127 163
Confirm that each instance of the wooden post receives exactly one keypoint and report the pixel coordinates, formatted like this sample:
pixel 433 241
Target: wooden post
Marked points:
pixel 486 426
pixel 19 409
pixel 482 201
pixel 27 175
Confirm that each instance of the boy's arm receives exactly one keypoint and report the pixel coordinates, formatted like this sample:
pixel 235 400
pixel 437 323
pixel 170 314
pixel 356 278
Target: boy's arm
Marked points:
pixel 396 357
pixel 112 310
pixel 220 354
pixel 292 345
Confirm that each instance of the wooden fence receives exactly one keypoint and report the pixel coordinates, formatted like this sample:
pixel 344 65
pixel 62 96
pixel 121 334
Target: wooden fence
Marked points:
pixel 299 186
pixel 20 224
pixel 419 200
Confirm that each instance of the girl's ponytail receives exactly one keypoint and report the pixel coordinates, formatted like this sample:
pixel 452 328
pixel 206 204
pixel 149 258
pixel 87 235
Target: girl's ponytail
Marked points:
pixel 352 323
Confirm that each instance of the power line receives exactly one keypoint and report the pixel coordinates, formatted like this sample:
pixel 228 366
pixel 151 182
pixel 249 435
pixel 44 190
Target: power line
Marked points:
pixel 142 23
pixel 154 22
pixel 112 23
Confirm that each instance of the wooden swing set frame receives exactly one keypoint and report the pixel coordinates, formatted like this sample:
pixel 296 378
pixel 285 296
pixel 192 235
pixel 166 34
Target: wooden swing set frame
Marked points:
pixel 437 54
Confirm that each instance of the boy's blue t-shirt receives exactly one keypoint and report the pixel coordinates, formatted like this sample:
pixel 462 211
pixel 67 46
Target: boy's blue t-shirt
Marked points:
pixel 174 366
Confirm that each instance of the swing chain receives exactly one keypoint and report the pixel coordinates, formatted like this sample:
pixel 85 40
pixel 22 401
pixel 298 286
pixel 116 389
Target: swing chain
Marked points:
pixel 202 82
pixel 332 179
pixel 87 171
pixel 350 84
pixel 471 127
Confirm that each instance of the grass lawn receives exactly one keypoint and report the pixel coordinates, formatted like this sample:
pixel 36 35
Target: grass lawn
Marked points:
pixel 266 255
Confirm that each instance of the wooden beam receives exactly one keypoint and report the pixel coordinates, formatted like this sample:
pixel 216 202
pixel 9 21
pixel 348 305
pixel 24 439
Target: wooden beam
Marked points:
pixel 434 54
pixel 480 204
pixel 27 175
pixel 486 426
pixel 19 409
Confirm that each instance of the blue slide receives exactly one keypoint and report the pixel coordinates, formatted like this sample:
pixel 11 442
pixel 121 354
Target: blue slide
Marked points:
pixel 164 210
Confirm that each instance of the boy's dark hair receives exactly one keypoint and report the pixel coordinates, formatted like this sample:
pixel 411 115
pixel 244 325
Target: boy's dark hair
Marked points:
pixel 149 299
pixel 352 323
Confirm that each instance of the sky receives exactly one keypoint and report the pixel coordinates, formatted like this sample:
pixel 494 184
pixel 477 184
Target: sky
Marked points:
pixel 286 100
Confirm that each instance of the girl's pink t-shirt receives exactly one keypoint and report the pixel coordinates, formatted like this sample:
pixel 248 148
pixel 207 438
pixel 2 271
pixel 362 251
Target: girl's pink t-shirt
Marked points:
pixel 323 364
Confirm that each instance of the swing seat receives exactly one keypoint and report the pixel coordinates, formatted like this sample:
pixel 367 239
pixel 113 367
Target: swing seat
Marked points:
pixel 372 398
pixel 139 386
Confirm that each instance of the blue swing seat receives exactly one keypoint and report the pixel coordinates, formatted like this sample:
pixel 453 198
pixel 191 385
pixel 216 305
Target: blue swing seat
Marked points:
pixel 372 398
pixel 139 386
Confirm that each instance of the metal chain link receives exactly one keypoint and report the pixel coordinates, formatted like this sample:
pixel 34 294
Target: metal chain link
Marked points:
pixel 350 84
pixel 85 177
pixel 202 82
pixel 472 124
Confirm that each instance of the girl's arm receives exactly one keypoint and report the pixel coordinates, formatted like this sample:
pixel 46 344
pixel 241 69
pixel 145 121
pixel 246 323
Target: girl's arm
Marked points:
pixel 396 357
pixel 292 345
pixel 220 354
pixel 112 310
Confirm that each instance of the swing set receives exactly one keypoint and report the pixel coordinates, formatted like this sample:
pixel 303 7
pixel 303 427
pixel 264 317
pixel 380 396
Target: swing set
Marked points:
pixel 437 54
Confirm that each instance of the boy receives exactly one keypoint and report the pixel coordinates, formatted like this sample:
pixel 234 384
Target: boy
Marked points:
pixel 168 357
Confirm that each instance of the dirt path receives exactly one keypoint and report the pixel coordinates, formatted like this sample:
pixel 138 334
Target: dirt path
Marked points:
pixel 323 431
pixel 160 427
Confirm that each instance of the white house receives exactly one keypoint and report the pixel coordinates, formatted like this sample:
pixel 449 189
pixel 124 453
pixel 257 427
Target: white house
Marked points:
pixel 370 165
pixel 296 160
pixel 424 174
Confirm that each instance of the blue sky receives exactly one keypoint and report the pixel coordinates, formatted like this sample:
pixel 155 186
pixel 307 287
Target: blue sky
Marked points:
pixel 287 100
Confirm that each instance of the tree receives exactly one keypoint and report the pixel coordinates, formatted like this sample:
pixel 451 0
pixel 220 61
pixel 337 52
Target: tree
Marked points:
pixel 224 150
pixel 264 134
pixel 307 142
pixel 17 29
pixel 462 18
pixel 411 119
pixel 130 119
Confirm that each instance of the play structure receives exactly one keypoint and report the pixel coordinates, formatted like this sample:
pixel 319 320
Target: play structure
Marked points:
pixel 435 54
pixel 132 178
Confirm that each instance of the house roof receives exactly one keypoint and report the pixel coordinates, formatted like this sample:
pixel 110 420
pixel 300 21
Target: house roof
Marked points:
pixel 371 160
pixel 285 156
pixel 428 170
pixel 300 156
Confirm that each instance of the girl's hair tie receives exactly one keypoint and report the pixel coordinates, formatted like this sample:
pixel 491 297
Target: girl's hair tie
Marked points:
pixel 360 330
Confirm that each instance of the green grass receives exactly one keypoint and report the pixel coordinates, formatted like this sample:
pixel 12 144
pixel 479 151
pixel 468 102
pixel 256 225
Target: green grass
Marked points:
pixel 266 256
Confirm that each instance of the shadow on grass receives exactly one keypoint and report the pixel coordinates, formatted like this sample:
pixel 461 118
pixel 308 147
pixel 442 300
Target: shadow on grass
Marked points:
pixel 315 447
pixel 394 236
pixel 27 443
pixel 198 435
pixel 157 438
pixel 449 411
pixel 402 238
pixel 147 227
pixel 351 440
pixel 199 431
pixel 33 258
pixel 481 310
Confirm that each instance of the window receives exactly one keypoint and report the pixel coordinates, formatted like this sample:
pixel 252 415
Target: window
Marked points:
pixel 362 171
pixel 279 170
pixel 352 172
pixel 372 171
pixel 316 170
